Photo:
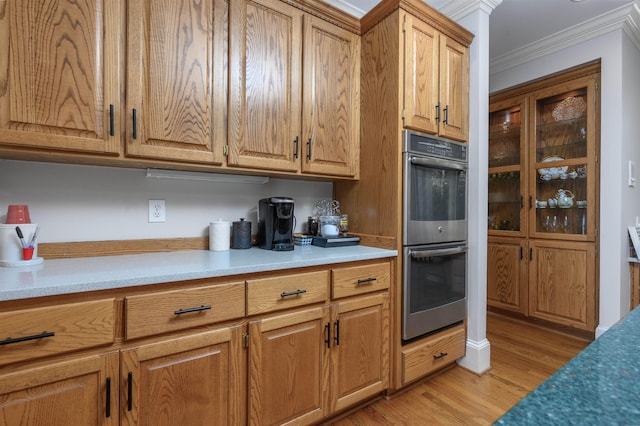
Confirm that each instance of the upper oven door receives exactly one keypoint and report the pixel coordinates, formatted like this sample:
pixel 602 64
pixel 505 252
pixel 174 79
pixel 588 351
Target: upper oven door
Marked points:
pixel 435 200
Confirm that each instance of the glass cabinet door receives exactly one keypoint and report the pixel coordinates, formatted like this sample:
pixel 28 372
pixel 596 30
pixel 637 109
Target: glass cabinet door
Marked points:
pixel 506 202
pixel 564 170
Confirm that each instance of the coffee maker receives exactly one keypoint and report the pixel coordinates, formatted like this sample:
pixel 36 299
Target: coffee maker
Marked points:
pixel 276 223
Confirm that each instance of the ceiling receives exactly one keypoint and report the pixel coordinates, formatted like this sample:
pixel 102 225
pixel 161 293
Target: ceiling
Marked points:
pixel 516 23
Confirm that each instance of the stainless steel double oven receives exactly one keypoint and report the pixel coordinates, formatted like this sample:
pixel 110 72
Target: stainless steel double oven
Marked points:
pixel 434 234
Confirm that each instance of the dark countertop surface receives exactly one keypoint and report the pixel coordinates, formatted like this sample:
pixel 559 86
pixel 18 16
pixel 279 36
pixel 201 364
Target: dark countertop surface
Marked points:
pixel 599 386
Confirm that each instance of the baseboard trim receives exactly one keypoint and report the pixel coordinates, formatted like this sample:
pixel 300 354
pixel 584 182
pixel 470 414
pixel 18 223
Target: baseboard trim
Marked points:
pixel 478 357
pixel 600 330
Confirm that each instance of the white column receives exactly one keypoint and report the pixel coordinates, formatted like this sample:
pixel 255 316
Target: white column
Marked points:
pixel 474 16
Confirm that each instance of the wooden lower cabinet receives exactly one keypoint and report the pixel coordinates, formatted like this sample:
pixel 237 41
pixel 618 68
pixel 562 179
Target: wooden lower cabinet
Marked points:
pixel 360 350
pixel 562 283
pixel 190 380
pixel 288 364
pixel 551 280
pixel 301 357
pixel 309 364
pixel 507 286
pixel 77 391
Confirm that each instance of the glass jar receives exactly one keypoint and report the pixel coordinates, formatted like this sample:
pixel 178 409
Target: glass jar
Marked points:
pixel 329 226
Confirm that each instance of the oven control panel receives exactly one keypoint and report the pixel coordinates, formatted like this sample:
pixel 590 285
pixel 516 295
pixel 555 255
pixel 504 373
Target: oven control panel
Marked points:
pixel 430 145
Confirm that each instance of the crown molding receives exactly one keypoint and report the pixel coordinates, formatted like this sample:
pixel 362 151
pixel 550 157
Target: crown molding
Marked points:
pixel 626 17
pixel 458 9
pixel 632 25
pixel 346 7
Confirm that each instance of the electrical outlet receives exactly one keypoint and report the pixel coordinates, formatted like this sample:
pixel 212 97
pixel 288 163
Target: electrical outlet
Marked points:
pixel 157 212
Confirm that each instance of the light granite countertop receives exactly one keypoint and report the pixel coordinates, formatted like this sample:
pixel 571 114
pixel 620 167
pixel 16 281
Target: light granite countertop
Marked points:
pixel 599 386
pixel 64 276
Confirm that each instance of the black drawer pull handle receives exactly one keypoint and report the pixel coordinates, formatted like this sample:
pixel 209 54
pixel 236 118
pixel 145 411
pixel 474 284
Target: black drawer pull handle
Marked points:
pixel 438 113
pixel 108 398
pixel 292 293
pixel 42 335
pixel 309 149
pixel 189 310
pixel 337 332
pixel 296 143
pixel 442 355
pixel 129 391
pixel 446 115
pixel 366 281
pixel 134 114
pixel 111 120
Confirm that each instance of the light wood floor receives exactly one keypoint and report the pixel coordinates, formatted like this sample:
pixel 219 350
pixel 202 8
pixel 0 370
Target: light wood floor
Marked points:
pixel 522 357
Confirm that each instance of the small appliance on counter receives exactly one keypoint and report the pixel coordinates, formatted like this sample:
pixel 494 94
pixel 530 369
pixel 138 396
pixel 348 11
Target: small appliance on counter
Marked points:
pixel 275 223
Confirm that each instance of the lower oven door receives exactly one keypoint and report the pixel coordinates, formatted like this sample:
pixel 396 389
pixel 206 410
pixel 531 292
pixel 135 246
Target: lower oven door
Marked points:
pixel 434 288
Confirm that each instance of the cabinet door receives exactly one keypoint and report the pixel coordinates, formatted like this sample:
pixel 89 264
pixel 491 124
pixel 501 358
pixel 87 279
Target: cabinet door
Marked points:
pixel 421 110
pixel 564 174
pixel 190 380
pixel 60 71
pixel 360 350
pixel 508 198
pixel 331 105
pixel 80 391
pixel 265 85
pixel 454 90
pixel 288 367
pixel 507 274
pixel 562 281
pixel 176 80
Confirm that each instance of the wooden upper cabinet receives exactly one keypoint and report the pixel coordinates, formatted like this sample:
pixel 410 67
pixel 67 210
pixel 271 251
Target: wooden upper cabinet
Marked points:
pixel 436 81
pixel 60 71
pixel 294 91
pixel 176 80
pixel 421 110
pixel 331 105
pixel 454 89
pixel 265 85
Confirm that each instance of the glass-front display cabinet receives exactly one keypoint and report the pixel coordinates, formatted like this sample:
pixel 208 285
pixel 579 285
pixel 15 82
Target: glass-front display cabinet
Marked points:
pixel 507 179
pixel 564 172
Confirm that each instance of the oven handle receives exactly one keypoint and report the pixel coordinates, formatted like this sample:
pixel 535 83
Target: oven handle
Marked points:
pixel 437 162
pixel 421 254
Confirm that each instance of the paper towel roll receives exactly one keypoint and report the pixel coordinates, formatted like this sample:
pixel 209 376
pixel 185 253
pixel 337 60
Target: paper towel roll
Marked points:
pixel 219 235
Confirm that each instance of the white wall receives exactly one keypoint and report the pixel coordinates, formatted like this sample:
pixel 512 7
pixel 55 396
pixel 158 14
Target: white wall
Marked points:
pixel 619 133
pixel 630 143
pixel 90 203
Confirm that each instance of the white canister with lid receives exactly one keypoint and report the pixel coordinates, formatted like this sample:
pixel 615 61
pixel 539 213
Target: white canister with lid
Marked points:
pixel 219 235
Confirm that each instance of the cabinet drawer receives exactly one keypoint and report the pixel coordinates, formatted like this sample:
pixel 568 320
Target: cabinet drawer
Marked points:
pixel 355 280
pixel 436 352
pixel 162 312
pixel 283 292
pixel 39 332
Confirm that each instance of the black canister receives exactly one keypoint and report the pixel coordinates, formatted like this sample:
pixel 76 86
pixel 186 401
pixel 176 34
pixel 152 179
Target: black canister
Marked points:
pixel 241 238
